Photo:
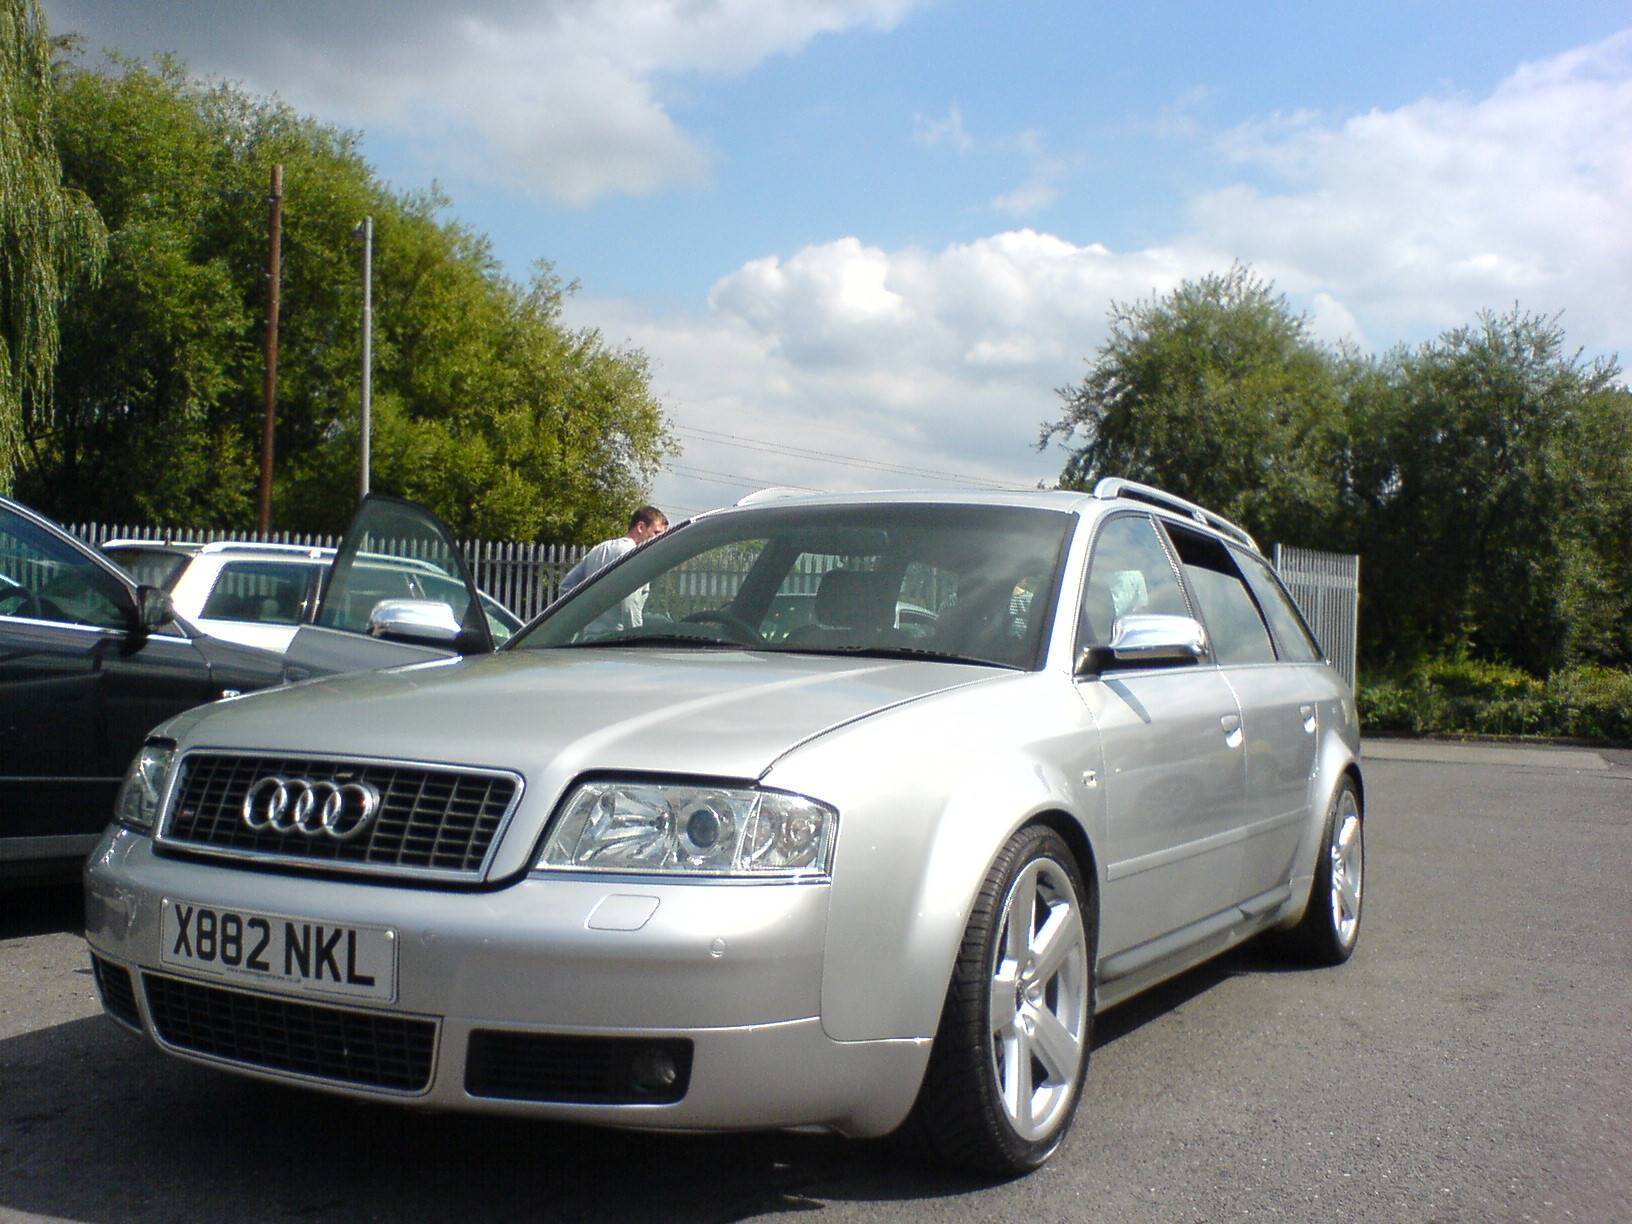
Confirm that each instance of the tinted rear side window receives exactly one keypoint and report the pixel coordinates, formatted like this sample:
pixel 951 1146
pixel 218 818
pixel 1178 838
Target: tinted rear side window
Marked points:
pixel 265 592
pixel 1292 636
pixel 152 568
pixel 1237 630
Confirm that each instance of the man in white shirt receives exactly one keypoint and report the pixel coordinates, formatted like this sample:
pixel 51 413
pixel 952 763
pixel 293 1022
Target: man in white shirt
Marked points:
pixel 644 523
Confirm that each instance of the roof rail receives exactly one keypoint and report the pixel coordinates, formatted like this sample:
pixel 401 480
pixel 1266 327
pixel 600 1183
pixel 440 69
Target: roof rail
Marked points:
pixel 263 546
pixel 131 542
pixel 1114 486
pixel 773 493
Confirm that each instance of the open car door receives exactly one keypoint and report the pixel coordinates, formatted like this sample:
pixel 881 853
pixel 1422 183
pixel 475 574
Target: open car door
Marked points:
pixel 398 592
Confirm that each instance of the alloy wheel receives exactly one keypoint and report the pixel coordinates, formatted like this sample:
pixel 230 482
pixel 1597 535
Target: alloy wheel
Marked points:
pixel 1348 859
pixel 1039 1001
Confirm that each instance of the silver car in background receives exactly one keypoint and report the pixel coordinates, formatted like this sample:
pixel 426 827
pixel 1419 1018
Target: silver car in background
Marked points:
pixel 710 872
pixel 259 594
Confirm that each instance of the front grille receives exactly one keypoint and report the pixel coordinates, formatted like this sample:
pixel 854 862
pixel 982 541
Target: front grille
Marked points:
pixel 118 992
pixel 369 1049
pixel 577 1070
pixel 433 820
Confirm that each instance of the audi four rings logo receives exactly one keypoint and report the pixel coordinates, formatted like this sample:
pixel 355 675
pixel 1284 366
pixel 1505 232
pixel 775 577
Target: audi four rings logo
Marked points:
pixel 340 810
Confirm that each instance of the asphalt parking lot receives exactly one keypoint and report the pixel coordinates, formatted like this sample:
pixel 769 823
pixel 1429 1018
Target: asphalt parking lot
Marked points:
pixel 1473 1062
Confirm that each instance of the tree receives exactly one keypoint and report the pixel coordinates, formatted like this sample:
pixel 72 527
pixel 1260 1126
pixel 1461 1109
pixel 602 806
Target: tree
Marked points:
pixel 1218 393
pixel 476 380
pixel 1485 478
pixel 50 236
pixel 1492 481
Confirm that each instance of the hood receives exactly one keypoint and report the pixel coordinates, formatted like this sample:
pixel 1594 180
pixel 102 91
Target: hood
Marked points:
pixel 551 714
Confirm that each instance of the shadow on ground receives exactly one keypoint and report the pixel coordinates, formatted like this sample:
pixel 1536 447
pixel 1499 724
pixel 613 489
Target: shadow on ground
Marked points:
pixel 96 1125
pixel 41 909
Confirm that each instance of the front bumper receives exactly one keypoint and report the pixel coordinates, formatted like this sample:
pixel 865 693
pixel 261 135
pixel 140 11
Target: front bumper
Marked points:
pixel 730 971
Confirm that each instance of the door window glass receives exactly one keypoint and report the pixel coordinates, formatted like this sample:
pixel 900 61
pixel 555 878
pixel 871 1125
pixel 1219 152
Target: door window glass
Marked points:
pixel 398 550
pixel 264 592
pixel 149 566
pixel 1130 572
pixel 1236 629
pixel 1292 636
pixel 43 578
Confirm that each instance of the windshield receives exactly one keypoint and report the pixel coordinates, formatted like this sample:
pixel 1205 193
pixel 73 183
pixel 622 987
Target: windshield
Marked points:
pixel 971 583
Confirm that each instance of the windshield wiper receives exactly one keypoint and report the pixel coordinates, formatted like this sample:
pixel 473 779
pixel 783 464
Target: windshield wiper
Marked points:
pixel 897 652
pixel 656 639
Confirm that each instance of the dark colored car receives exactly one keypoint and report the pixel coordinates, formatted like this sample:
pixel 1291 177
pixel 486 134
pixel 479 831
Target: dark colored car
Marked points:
pixel 91 658
pixel 89 661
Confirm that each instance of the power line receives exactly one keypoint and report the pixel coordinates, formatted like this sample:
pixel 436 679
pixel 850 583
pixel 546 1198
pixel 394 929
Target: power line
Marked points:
pixel 687 511
pixel 734 478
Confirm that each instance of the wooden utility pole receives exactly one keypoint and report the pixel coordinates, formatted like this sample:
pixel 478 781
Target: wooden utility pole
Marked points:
pixel 273 264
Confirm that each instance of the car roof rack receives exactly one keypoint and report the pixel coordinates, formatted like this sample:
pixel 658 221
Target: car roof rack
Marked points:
pixel 188 546
pixel 1114 486
pixel 771 493
pixel 262 546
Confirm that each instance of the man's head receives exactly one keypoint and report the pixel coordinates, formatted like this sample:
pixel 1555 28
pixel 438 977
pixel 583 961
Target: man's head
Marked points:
pixel 647 522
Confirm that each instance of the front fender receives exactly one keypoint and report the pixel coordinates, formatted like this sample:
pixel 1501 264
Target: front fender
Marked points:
pixel 928 795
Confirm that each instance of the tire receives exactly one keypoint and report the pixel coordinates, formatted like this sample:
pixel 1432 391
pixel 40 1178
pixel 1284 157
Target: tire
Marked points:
pixel 1006 1070
pixel 1330 927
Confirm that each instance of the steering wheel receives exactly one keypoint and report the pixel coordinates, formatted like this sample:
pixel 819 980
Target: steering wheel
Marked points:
pixel 741 631
pixel 20 601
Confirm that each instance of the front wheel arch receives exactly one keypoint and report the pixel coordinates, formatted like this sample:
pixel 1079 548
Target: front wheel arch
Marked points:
pixel 1020 1001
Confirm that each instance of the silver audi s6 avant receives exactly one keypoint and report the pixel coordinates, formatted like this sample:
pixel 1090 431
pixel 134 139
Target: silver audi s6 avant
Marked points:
pixel 837 812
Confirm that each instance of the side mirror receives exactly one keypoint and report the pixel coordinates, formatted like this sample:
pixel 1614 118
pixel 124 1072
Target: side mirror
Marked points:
pixel 1146 641
pixel 153 608
pixel 429 621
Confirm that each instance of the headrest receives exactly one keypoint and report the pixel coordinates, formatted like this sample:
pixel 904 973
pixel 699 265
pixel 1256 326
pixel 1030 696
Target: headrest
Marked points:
pixel 852 599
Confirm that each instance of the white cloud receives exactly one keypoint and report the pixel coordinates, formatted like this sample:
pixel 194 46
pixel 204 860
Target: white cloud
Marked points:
pixel 947 130
pixel 943 361
pixel 561 98
pixel 1415 218
pixel 1384 226
pixel 1031 196
pixel 1041 188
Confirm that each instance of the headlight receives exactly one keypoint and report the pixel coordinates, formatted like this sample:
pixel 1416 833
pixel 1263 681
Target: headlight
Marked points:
pixel 138 801
pixel 674 829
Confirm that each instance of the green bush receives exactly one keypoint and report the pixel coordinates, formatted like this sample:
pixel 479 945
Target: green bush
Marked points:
pixel 1591 702
pixel 1472 697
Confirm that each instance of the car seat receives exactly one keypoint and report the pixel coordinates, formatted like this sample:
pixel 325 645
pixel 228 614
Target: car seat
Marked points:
pixel 853 607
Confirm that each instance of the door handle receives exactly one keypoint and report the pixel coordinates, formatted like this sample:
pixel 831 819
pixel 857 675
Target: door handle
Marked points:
pixel 1230 724
pixel 1307 712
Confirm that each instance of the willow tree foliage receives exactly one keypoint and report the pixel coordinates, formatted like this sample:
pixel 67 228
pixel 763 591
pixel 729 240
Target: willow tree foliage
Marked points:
pixel 50 235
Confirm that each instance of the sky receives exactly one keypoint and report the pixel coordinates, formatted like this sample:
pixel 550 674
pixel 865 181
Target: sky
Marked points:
pixel 863 243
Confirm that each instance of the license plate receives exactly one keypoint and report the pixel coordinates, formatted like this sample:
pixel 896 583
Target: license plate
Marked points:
pixel 280 951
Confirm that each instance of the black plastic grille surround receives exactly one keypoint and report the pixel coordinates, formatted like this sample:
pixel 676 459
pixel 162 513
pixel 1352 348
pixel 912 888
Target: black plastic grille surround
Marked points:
pixel 516 1066
pixel 347 1046
pixel 117 990
pixel 432 819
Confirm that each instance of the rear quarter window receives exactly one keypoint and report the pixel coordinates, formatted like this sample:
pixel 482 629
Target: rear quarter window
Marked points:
pixel 1237 631
pixel 1292 636
pixel 261 592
